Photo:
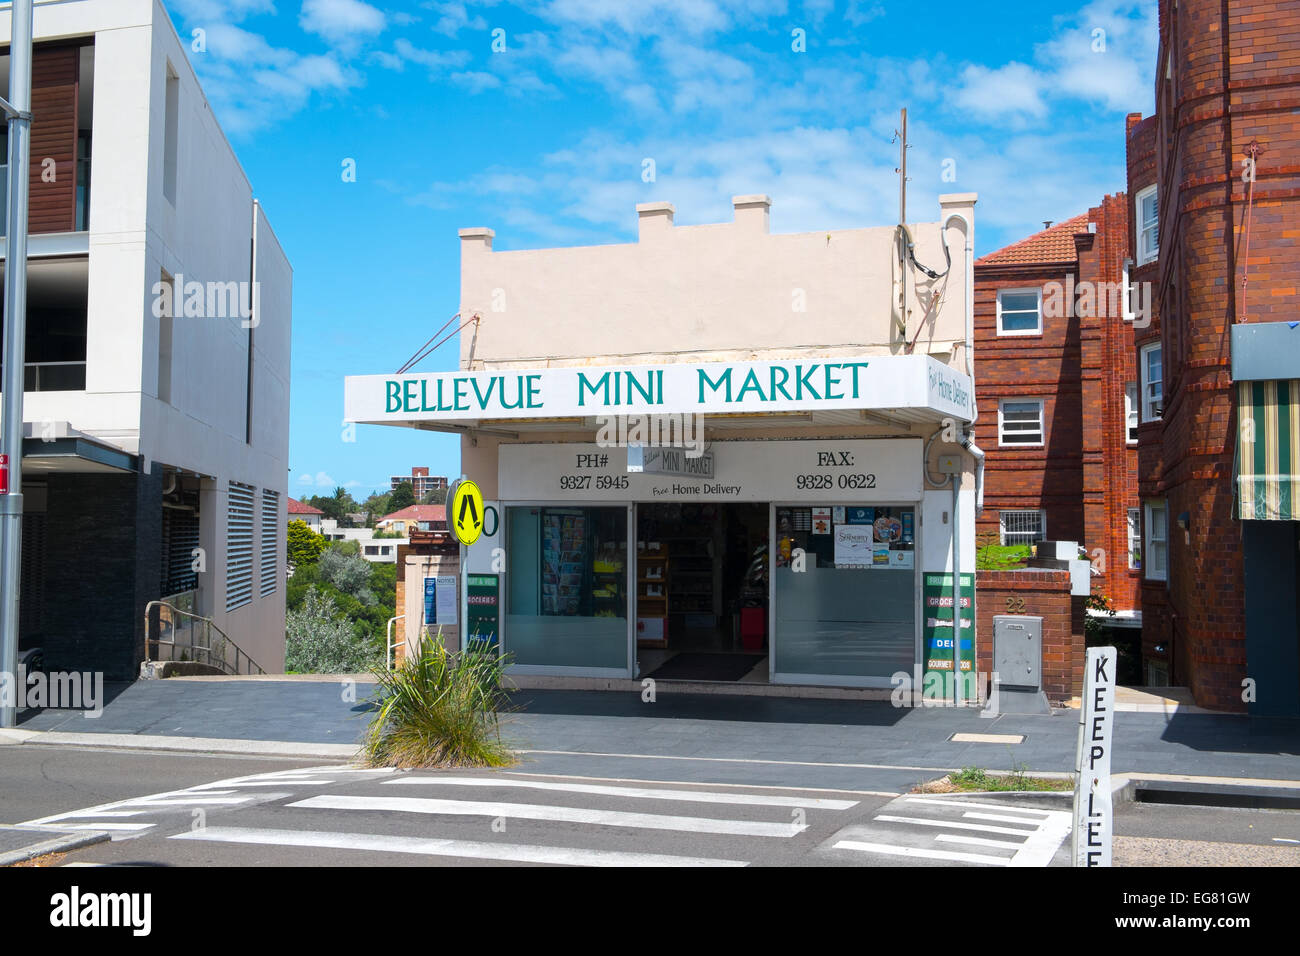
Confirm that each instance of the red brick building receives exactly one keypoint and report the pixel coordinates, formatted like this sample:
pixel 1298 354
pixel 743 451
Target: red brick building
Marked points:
pixel 1214 177
pixel 1055 364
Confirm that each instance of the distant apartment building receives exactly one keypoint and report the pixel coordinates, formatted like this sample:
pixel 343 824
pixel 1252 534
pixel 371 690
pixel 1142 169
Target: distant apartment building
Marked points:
pixel 414 518
pixel 156 406
pixel 1054 330
pixel 420 480
pixel 1215 205
pixel 376 550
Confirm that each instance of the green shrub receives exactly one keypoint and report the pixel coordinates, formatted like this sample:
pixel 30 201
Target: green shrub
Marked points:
pixel 319 640
pixel 439 709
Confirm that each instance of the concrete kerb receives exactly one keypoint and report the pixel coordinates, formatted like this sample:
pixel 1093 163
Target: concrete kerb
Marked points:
pixel 206 745
pixel 64 842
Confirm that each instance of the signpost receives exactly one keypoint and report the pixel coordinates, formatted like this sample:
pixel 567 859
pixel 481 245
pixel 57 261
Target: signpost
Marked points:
pixel 1093 813
pixel 465 511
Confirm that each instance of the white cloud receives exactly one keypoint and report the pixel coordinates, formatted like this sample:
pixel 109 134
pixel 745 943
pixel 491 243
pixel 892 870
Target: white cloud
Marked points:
pixel 434 60
pixel 1009 90
pixel 450 18
pixel 344 23
pixel 319 480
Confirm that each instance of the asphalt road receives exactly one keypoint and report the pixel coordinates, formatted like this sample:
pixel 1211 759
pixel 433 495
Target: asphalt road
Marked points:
pixel 170 809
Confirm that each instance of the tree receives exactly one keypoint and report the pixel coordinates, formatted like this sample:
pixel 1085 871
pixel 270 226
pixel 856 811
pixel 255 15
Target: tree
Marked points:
pixel 437 496
pixel 376 506
pixel 403 496
pixel 304 545
pixel 336 506
pixel 319 641
pixel 350 573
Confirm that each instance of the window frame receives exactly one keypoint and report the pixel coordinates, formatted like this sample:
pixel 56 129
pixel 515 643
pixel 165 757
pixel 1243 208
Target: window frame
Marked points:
pixel 1133 529
pixel 1038 293
pixel 1151 570
pixel 1142 226
pixel 1132 415
pixel 1042 422
pixel 1002 524
pixel 1144 368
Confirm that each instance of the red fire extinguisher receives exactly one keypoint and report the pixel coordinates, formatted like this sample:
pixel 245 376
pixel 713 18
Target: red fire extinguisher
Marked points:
pixel 4 474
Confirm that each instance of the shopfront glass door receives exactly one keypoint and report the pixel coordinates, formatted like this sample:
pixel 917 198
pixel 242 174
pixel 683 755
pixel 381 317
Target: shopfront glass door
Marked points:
pixel 567 588
pixel 845 593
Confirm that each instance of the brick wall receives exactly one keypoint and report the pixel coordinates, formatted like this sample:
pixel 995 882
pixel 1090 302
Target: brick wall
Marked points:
pixel 1045 593
pixel 1084 476
pixel 1233 81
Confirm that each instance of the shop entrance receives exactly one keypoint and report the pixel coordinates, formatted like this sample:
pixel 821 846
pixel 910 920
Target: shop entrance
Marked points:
pixel 702 591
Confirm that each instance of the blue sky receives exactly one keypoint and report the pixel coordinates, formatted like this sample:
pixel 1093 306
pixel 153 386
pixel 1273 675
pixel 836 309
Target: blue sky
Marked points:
pixel 545 141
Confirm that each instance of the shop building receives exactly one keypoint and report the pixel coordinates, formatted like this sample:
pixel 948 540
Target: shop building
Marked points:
pixel 794 519
pixel 1214 185
pixel 157 354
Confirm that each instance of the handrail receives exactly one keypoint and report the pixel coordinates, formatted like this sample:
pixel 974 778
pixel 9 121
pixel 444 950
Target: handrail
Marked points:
pixel 216 655
pixel 388 654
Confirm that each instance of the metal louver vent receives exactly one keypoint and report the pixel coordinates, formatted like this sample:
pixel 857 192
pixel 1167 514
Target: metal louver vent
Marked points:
pixel 239 545
pixel 271 524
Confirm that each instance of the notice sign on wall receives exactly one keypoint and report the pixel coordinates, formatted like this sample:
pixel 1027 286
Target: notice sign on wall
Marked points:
pixel 482 614
pixel 440 601
pixel 937 636
pixel 1093 816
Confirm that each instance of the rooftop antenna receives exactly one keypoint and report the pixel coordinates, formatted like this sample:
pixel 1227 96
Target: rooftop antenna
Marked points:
pixel 1047 224
pixel 900 137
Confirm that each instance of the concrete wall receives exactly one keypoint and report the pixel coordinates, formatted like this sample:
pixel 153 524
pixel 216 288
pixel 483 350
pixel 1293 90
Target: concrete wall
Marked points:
pixel 227 414
pixel 712 292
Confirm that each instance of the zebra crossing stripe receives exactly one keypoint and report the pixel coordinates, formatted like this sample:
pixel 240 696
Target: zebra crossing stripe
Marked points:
pixel 948 855
pixel 504 852
pixel 643 793
pixel 531 811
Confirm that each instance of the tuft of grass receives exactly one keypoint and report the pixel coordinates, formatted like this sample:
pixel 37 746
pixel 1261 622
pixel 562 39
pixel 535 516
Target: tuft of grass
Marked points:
pixel 979 780
pixel 439 709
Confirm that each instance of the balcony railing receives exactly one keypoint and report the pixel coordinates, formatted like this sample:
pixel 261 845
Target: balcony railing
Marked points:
pixel 53 376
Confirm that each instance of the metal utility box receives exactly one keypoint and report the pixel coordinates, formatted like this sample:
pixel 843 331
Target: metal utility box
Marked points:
pixel 1018 650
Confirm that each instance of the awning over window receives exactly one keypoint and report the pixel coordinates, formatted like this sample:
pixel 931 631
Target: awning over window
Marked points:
pixel 1268 443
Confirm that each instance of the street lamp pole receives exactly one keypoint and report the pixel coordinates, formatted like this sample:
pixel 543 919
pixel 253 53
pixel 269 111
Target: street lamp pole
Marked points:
pixel 18 113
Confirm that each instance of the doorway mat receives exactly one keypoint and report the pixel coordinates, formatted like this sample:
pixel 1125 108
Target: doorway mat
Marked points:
pixel 701 666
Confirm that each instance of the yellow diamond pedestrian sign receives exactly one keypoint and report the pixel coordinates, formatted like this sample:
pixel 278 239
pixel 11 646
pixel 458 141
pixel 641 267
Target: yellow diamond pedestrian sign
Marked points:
pixel 465 512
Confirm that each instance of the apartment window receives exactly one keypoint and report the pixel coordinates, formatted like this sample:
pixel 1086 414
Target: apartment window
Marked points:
pixel 239 545
pixel 1020 312
pixel 1147 209
pixel 372 549
pixel 171 129
pixel 270 542
pixel 1020 421
pixel 1156 549
pixel 1127 283
pixel 1022 527
pixel 1152 381
pixel 1135 538
pixel 1131 411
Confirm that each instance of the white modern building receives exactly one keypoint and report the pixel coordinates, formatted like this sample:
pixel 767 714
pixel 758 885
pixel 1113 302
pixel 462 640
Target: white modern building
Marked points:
pixel 373 549
pixel 803 522
pixel 158 334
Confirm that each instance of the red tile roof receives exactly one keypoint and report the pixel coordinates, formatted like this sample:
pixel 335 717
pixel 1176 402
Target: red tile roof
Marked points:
pixel 1055 244
pixel 418 513
pixel 297 507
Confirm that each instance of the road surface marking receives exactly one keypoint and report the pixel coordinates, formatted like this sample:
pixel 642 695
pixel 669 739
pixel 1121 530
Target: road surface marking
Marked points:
pixel 949 855
pixel 644 793
pixel 923 821
pixel 1000 818
pixel 978 841
pixel 529 811
pixel 980 806
pixel 511 853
